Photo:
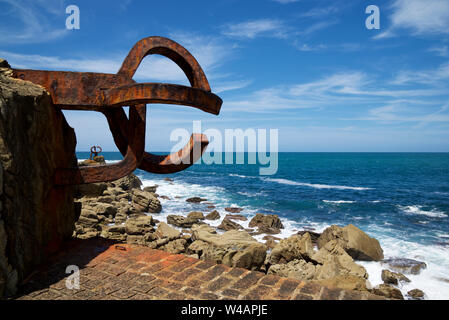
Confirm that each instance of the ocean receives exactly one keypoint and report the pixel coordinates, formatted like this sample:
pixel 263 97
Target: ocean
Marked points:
pixel 401 199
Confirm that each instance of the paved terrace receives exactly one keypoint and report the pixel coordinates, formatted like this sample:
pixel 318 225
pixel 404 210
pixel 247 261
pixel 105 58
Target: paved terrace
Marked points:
pixel 120 271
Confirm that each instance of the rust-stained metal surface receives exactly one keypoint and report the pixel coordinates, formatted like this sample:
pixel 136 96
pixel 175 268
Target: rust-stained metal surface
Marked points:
pixel 109 93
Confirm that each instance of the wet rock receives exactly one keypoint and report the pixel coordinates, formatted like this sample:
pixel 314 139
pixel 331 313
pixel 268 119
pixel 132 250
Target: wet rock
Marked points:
pixel 294 247
pixel 196 200
pixel 233 248
pixel 416 294
pixel 388 291
pixel 236 217
pixel 151 189
pixel 227 225
pixel 355 242
pixel 403 265
pixel 233 209
pixel 269 220
pixel 214 215
pixel 389 277
pixel 165 197
pixel 196 215
pixel 168 179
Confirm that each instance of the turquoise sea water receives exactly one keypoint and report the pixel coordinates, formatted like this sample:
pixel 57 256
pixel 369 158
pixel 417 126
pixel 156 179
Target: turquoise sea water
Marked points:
pixel 402 199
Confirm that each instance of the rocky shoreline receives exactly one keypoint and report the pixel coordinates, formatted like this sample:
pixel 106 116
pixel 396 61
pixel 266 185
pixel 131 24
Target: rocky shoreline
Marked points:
pixel 124 212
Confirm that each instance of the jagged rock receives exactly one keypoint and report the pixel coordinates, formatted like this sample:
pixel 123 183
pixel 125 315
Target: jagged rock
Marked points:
pixel 346 282
pixel 196 200
pixel 294 247
pixel 181 221
pixel 233 248
pixel 127 183
pixel 176 247
pixel 145 202
pixel 236 217
pixel 388 291
pixel 313 235
pixel 227 225
pixel 266 221
pixel 355 242
pixel 335 261
pixel 214 215
pixel 91 190
pixel 105 209
pixel 403 265
pixel 270 243
pixel 416 294
pixel 165 231
pixel 139 225
pixel 296 269
pixel 151 189
pixel 389 277
pixel 233 209
pixel 196 215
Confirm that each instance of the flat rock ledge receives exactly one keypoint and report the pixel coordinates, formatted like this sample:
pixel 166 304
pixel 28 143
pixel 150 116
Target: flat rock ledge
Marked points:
pixel 114 271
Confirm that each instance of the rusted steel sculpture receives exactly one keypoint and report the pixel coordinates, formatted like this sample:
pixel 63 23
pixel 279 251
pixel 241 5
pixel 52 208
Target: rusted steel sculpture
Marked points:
pixel 108 93
pixel 94 151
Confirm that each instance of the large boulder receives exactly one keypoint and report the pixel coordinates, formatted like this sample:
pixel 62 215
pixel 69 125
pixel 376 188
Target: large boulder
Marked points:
pixel 404 265
pixel 296 269
pixel 233 248
pixel 35 215
pixel 145 201
pixel 389 277
pixel 127 183
pixel 181 221
pixel 214 215
pixel 335 261
pixel 266 221
pixel 139 225
pixel 354 241
pixel 228 224
pixel 294 247
pixel 388 291
pixel 165 231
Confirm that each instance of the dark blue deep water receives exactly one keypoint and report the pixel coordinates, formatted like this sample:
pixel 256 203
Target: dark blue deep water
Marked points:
pixel 400 198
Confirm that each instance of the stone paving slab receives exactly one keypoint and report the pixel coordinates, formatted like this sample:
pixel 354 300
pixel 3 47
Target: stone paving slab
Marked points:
pixel 121 271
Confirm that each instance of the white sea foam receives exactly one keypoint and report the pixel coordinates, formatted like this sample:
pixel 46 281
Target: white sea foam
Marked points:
pixel 312 185
pixel 418 210
pixel 338 201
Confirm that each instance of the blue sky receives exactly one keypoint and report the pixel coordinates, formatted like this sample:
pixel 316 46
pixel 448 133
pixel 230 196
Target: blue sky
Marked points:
pixel 309 68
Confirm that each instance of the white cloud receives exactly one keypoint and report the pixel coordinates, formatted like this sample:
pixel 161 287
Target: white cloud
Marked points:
pixel 256 28
pixel 429 77
pixel 34 17
pixel 418 16
pixel 440 51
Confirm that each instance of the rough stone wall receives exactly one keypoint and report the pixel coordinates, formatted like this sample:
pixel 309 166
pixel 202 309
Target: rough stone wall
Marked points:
pixel 35 216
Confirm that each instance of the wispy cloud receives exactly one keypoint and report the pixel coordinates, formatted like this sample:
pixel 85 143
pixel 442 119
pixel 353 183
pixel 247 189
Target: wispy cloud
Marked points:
pixel 255 28
pixel 429 77
pixel 420 17
pixel 34 17
pixel 440 51
pixel 286 1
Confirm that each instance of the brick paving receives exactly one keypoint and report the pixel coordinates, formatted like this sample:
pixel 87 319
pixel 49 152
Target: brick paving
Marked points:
pixel 120 271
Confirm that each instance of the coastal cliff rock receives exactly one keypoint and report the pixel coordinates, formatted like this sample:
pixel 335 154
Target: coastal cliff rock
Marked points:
pixel 233 248
pixel 354 241
pixel 270 223
pixel 295 247
pixel 35 215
